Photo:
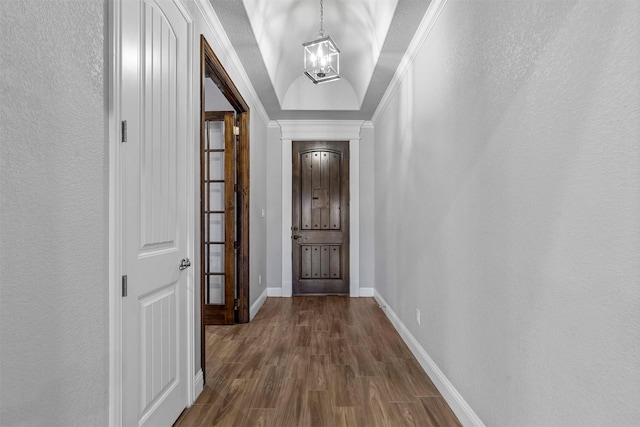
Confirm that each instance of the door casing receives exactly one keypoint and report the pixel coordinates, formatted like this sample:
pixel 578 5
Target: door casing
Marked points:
pixel 219 75
pixel 325 130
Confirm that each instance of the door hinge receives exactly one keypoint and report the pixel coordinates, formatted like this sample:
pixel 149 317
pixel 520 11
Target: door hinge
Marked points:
pixel 235 304
pixel 124 286
pixel 235 187
pixel 236 245
pixel 124 131
pixel 236 130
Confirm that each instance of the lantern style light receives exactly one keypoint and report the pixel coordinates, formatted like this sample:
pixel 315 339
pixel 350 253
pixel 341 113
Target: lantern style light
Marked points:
pixel 322 56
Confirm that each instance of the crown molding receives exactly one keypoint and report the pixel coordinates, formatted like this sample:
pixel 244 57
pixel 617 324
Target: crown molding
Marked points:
pixel 231 60
pixel 425 27
pixel 307 130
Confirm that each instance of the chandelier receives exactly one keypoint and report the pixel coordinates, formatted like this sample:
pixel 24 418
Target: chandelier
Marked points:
pixel 321 56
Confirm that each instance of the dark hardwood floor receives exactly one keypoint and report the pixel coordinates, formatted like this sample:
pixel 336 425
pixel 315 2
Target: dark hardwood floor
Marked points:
pixel 315 361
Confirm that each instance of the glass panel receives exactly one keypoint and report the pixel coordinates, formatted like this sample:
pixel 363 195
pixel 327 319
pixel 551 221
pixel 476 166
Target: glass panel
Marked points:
pixel 216 228
pixel 216 258
pixel 216 165
pixel 216 290
pixel 216 196
pixel 216 135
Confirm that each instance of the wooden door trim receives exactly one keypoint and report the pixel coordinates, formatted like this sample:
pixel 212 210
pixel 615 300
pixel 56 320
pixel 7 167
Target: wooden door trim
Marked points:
pixel 209 61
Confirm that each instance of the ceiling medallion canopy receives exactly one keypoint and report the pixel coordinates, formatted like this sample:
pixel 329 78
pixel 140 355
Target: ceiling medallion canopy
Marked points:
pixel 321 56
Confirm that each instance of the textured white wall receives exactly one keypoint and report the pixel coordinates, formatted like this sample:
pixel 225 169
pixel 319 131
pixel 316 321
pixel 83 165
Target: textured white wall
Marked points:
pixel 507 194
pixel 53 215
pixel 274 206
pixel 214 99
pixel 258 201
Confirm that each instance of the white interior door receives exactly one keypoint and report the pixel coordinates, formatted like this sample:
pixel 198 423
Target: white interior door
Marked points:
pixel 154 211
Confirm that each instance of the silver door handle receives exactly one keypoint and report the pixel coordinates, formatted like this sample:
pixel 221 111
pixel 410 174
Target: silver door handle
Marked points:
pixel 184 264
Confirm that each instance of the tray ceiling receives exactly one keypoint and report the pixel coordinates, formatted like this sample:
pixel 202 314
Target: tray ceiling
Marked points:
pixel 372 35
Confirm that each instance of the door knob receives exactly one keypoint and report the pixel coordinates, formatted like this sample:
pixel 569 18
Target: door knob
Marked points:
pixel 184 264
pixel 296 236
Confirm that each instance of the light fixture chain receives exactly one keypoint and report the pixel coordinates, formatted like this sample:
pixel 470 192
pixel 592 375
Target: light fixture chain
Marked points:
pixel 321 18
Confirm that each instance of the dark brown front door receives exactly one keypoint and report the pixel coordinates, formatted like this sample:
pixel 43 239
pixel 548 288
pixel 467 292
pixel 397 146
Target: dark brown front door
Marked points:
pixel 320 208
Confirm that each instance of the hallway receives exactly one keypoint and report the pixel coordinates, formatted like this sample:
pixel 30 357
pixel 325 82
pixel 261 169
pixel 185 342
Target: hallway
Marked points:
pixel 315 361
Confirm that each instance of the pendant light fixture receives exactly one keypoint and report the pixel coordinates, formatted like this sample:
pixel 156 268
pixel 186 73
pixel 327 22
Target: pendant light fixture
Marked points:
pixel 321 56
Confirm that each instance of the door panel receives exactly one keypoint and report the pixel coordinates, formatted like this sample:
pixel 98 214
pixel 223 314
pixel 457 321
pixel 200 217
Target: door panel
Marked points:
pixel 320 217
pixel 154 209
pixel 218 218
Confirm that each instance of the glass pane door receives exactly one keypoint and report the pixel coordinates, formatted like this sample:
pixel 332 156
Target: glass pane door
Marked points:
pixel 218 217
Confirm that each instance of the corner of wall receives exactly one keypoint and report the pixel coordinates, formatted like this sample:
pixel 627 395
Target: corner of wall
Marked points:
pixel 427 24
pixel 454 399
pixel 255 307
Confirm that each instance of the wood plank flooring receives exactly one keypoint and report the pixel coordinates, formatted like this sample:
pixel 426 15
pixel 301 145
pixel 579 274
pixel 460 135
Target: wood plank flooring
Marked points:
pixel 315 361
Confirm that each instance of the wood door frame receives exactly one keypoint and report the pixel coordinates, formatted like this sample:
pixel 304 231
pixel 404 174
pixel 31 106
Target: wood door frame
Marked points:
pixel 221 78
pixel 326 130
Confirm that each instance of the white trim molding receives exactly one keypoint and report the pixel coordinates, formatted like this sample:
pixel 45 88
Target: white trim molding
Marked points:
pixel 330 130
pixel 193 241
pixel 354 215
pixel 257 304
pixel 326 130
pixel 287 169
pixel 425 27
pixel 115 222
pixel 198 384
pixel 274 291
pixel 366 292
pixel 455 400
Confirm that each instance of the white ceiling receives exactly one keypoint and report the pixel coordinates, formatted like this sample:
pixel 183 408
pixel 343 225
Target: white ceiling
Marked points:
pixel 372 36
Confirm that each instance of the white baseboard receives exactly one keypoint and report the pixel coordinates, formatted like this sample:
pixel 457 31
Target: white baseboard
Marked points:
pixel 367 292
pixel 257 304
pixel 198 385
pixel 274 292
pixel 287 289
pixel 458 405
pixel 354 288
pixel 277 292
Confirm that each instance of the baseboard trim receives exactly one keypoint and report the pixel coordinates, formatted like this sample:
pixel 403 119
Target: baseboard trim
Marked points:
pixel 198 385
pixel 277 292
pixel 257 304
pixel 274 292
pixel 457 403
pixel 367 292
